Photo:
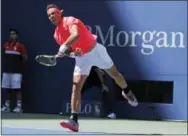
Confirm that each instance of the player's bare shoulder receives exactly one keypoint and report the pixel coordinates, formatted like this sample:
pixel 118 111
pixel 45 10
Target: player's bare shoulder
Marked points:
pixel 70 20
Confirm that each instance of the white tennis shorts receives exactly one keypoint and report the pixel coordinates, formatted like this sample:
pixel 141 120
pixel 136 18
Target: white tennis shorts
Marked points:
pixel 98 56
pixel 11 80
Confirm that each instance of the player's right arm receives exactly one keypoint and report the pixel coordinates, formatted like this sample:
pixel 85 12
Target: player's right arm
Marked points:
pixel 74 35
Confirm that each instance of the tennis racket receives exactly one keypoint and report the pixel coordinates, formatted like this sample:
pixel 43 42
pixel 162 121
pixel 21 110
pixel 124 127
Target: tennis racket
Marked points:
pixel 47 60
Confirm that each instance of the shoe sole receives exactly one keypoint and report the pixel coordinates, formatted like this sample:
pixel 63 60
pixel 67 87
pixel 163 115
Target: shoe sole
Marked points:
pixel 67 125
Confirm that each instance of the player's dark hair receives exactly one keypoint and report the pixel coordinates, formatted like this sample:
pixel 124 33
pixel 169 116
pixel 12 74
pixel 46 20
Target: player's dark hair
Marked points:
pixel 51 6
pixel 13 30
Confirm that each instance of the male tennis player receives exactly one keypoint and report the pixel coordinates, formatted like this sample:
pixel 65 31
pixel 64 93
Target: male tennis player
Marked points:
pixel 71 33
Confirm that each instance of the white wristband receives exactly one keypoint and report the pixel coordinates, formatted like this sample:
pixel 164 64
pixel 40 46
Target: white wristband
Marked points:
pixel 63 48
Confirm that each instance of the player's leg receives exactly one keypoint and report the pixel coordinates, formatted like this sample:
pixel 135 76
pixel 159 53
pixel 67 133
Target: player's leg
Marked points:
pixel 81 73
pixel 78 82
pixel 86 86
pixel 72 123
pixel 16 85
pixel 120 81
pixel 6 86
pixel 106 63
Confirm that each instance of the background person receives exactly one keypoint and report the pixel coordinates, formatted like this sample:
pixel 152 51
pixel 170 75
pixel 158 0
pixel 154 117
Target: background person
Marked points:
pixel 14 56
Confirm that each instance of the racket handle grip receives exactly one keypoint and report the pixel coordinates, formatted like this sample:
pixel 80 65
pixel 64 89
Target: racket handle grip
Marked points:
pixel 59 56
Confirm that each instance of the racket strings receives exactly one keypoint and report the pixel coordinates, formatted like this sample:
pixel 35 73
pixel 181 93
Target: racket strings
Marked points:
pixel 45 60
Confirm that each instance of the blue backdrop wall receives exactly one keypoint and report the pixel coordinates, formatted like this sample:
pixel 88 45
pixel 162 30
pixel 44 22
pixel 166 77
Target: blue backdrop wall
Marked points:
pixel 147 41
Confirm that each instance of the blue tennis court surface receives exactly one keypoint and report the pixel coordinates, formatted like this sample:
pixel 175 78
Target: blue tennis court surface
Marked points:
pixel 39 124
pixel 14 131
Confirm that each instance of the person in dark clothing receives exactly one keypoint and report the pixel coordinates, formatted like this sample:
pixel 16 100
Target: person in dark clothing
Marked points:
pixel 97 78
pixel 14 56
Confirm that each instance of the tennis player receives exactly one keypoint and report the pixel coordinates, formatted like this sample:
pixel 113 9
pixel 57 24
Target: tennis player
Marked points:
pixel 71 33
